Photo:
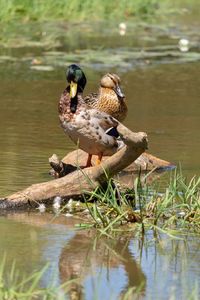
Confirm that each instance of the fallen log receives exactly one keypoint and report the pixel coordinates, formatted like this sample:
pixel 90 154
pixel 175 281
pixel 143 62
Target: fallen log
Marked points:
pixel 145 162
pixel 81 180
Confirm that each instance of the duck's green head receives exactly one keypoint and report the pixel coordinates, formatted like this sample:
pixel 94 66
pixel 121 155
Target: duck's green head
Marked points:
pixel 77 80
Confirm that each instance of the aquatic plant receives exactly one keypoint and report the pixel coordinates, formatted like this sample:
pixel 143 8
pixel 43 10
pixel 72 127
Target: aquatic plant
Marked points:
pixel 14 285
pixel 172 210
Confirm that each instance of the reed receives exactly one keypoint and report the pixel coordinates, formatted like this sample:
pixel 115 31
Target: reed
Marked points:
pixel 76 10
pixel 173 210
pixel 14 285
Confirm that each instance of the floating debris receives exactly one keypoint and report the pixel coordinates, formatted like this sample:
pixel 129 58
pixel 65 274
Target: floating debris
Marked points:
pixel 68 215
pixel 69 204
pixel 57 202
pixel 36 61
pixel 124 58
pixel 183 45
pixel 41 208
pixel 42 68
pixel 181 214
pixel 122 25
pixel 122 28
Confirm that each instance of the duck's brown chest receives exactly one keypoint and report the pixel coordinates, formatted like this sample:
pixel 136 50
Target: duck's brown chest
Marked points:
pixel 111 104
pixel 65 113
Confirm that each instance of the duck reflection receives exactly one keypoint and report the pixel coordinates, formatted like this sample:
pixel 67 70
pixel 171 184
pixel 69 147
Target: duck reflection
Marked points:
pixel 89 257
pixel 88 254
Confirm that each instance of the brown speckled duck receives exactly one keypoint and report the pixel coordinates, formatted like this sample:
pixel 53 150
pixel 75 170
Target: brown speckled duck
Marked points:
pixel 110 98
pixel 92 130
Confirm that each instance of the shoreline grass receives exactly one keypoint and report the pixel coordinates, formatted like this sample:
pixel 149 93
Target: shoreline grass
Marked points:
pixel 77 10
pixel 60 23
pixel 17 286
pixel 172 211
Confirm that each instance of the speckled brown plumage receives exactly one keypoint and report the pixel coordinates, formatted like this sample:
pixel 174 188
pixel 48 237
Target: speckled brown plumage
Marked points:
pixel 65 113
pixel 107 100
pixel 87 127
pixel 90 129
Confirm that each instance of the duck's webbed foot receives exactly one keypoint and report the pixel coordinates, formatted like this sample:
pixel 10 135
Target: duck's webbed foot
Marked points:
pixel 98 161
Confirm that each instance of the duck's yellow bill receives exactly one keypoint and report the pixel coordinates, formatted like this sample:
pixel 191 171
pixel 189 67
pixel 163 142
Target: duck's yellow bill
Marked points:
pixel 73 89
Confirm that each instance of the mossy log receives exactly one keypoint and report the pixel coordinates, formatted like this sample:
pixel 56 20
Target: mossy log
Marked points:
pixel 76 183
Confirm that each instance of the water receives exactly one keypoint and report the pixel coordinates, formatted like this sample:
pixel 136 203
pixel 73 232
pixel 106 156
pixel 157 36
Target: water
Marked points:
pixel 102 266
pixel 163 100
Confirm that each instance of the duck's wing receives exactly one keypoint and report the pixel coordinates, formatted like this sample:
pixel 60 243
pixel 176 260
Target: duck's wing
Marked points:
pixel 103 119
pixel 106 125
pixel 91 99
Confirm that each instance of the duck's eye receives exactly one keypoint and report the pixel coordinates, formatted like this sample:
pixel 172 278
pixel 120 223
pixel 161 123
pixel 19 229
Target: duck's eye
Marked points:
pixel 113 80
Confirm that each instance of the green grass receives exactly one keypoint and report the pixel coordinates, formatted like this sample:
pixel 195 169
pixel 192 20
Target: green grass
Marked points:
pixel 174 210
pixel 38 22
pixel 17 286
pixel 76 10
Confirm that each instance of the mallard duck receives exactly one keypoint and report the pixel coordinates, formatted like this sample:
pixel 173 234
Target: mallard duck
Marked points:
pixel 92 130
pixel 110 98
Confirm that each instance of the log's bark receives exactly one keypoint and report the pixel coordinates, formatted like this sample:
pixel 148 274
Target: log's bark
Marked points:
pixel 81 180
pixel 145 162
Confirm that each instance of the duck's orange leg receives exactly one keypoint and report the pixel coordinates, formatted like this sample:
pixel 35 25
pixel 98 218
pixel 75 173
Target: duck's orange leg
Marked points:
pixel 98 161
pixel 89 163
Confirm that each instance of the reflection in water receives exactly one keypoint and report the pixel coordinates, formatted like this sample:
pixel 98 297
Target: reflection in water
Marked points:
pixel 100 266
pixel 83 258
pixel 171 266
pixel 87 255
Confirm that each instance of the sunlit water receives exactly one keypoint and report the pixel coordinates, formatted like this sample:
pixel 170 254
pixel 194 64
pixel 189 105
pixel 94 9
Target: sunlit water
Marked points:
pixel 157 268
pixel 163 100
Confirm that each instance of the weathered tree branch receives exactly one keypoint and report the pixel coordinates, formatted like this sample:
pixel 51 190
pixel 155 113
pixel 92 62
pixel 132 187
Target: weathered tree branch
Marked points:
pixel 81 180
pixel 145 163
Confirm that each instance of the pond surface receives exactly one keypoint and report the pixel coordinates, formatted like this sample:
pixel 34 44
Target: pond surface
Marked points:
pixel 162 92
pixel 105 267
